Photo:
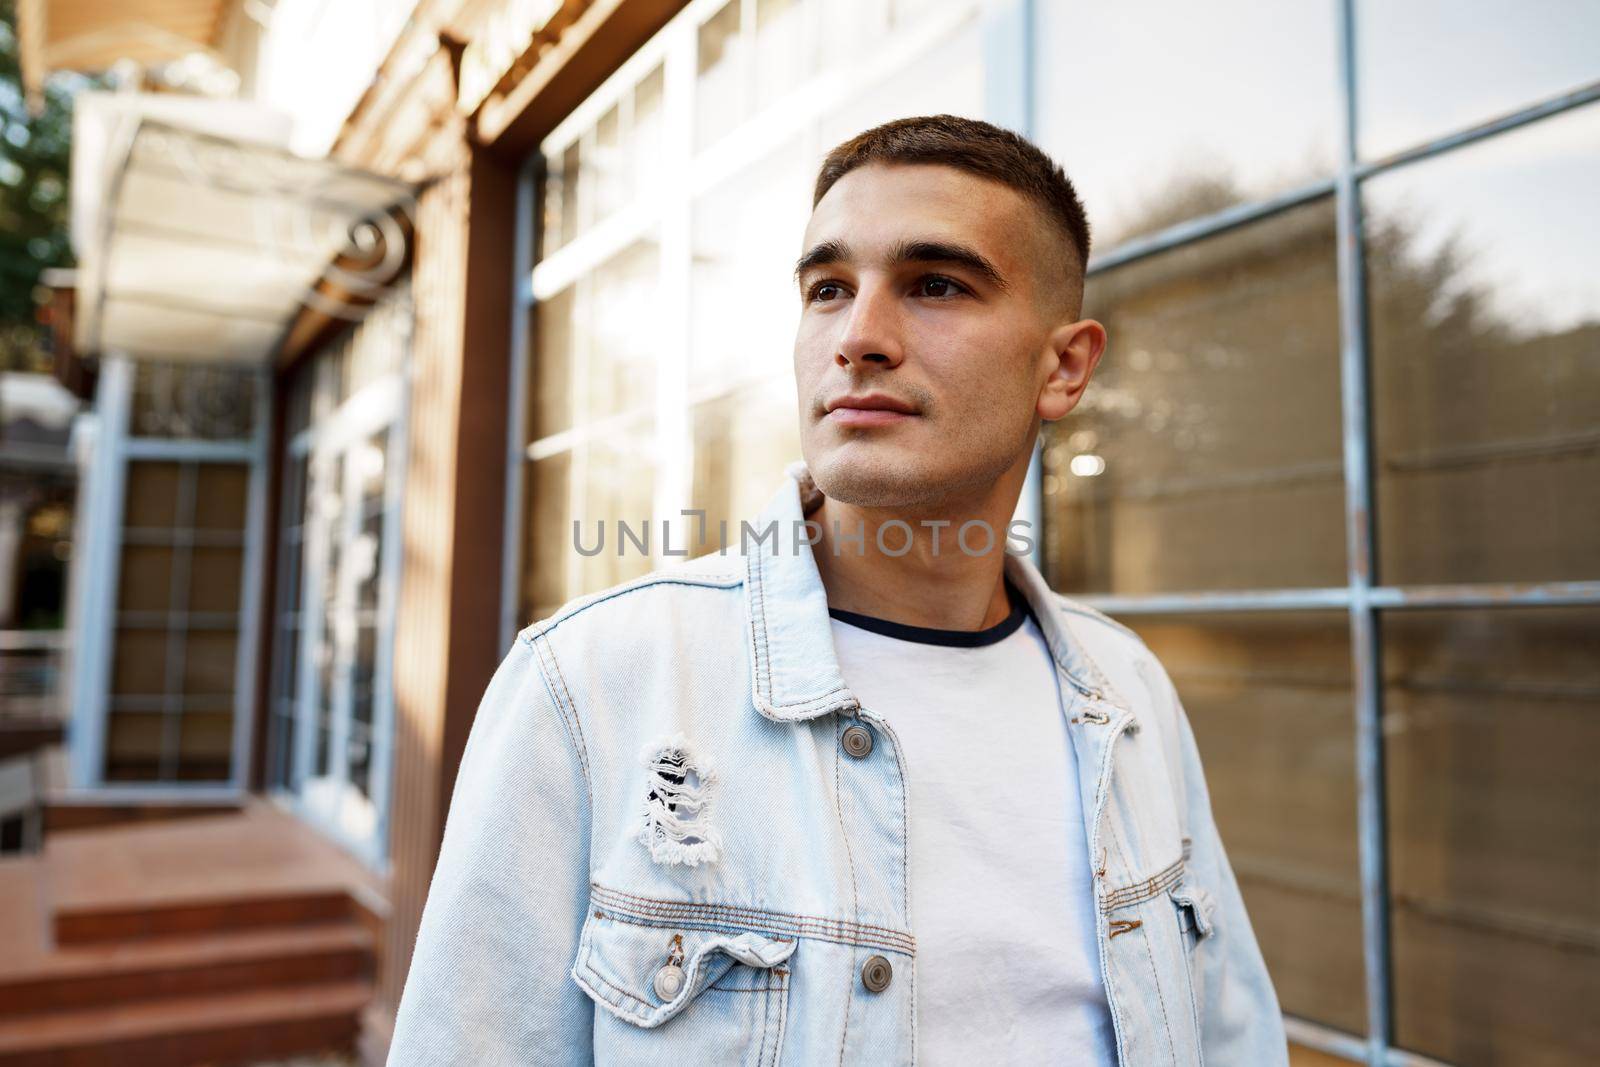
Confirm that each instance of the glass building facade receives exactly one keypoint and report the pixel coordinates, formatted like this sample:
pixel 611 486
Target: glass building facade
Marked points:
pixel 1340 466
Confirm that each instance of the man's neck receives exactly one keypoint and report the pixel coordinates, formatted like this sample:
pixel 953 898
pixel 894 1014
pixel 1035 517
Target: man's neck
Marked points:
pixel 937 583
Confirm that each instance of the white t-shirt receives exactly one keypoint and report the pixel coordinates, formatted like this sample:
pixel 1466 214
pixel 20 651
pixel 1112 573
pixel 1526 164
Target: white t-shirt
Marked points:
pixel 1002 898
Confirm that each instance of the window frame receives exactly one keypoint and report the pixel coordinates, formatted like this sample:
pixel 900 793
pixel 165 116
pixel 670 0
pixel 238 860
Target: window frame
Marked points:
pixel 97 587
pixel 382 405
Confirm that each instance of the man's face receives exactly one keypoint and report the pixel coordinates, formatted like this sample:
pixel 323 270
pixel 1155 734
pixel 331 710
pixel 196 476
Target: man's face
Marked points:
pixel 926 334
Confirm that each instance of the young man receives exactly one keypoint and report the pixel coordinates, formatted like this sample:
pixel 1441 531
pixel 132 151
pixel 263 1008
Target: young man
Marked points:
pixel 866 791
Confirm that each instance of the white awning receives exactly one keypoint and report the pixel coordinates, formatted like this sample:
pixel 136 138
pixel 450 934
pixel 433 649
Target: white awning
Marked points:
pixel 94 34
pixel 199 236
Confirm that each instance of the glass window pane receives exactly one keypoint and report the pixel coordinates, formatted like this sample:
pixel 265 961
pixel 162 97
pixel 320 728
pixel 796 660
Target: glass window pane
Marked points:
pixel 610 162
pixel 1492 727
pixel 371 461
pixel 205 746
pixel 781 59
pixel 298 417
pixel 910 12
pixel 948 78
pixel 333 377
pixel 144 578
pixel 615 480
pixel 1269 697
pixel 139 663
pixel 852 34
pixel 280 748
pixel 369 577
pixel 648 122
pixel 287 636
pixel 720 102
pixel 322 758
pixel 360 745
pixel 208 663
pixel 1428 67
pixel 150 495
pixel 742 442
pixel 378 344
pixel 134 744
pixel 747 234
pixel 553 358
pixel 1161 110
pixel 620 358
pixel 597 484
pixel 294 489
pixel 553 197
pixel 365 664
pixel 573 178
pixel 222 493
pixel 216 576
pixel 1207 452
pixel 1484 272
pixel 547 538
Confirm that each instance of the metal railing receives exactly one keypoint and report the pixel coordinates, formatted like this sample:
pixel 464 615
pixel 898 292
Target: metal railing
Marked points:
pixel 32 721
pixel 31 663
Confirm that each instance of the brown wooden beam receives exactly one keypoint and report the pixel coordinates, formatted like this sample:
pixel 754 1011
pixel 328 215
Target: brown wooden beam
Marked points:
pixel 447 640
pixel 511 123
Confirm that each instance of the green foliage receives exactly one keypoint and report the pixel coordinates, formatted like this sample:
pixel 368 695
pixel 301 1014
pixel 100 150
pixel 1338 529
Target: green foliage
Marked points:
pixel 34 154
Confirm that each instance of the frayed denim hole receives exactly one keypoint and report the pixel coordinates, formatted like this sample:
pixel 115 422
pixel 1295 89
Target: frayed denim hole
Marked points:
pixel 677 806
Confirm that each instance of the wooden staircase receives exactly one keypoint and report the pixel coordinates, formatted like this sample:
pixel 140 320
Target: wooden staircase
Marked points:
pixel 221 940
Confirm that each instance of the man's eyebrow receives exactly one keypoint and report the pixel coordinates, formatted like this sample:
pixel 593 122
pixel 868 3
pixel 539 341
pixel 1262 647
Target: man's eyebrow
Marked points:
pixel 950 252
pixel 920 251
pixel 826 252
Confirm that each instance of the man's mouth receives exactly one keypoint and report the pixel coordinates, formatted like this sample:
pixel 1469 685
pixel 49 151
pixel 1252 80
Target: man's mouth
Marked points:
pixel 868 409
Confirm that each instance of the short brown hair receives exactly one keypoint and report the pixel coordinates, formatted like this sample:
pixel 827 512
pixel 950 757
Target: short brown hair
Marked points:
pixel 979 148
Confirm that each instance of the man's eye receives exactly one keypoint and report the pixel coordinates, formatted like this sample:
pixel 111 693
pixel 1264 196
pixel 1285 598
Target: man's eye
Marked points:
pixel 936 285
pixel 823 291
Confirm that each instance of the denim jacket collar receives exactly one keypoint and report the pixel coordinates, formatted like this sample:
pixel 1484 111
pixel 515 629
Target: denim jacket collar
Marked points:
pixel 795 673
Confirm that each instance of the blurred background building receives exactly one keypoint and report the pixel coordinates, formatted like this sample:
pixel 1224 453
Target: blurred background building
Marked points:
pixel 363 304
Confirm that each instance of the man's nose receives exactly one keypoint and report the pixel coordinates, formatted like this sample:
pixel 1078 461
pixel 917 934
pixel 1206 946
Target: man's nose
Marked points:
pixel 872 331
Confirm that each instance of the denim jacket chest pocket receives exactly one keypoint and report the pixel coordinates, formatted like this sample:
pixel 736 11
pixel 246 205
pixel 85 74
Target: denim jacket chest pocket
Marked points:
pixel 683 994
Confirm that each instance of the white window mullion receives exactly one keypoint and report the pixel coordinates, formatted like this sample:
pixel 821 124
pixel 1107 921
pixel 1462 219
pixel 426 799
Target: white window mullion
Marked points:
pixel 673 444
pixel 96 623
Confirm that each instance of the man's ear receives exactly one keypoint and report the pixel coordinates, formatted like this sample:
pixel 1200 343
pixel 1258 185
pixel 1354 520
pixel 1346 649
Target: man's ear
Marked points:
pixel 1073 352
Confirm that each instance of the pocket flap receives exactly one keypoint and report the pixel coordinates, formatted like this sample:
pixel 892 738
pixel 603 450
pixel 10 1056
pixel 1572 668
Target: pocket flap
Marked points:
pixel 1196 909
pixel 618 961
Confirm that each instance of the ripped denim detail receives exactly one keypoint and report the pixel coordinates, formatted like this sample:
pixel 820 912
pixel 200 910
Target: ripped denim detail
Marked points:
pixel 678 804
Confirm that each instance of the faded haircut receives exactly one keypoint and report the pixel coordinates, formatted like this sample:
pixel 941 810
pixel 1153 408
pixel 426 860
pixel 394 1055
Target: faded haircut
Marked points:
pixel 979 148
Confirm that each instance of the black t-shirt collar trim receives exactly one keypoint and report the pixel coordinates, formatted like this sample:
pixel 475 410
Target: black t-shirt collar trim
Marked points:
pixel 929 635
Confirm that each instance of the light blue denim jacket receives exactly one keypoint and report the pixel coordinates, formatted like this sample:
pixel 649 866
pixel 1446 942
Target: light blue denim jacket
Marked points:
pixel 660 851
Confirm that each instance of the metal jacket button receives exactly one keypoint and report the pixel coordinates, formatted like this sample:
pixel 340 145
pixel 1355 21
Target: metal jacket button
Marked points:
pixel 875 974
pixel 669 981
pixel 857 743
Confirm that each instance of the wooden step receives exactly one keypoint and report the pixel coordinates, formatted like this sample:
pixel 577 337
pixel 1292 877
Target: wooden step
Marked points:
pixel 103 975
pixel 70 813
pixel 104 923
pixel 227 1028
pixel 260 867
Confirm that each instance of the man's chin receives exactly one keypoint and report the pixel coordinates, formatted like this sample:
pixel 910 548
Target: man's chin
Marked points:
pixel 874 474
